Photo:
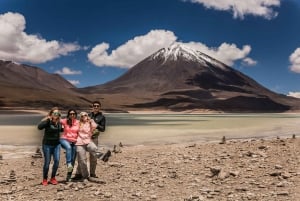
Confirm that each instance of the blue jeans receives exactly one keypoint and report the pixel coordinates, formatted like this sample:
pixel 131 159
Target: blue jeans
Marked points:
pixel 70 150
pixel 48 151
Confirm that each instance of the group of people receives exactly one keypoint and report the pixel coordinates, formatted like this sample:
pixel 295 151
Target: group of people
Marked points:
pixel 77 137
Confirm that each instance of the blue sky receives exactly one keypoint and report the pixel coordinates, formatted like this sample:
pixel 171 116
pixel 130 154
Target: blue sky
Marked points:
pixel 91 42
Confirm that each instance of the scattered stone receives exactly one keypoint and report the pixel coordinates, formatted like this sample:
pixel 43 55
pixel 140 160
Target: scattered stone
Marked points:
pixel 223 140
pixel 274 174
pixel 120 144
pixel 38 153
pixel 12 176
pixel 215 171
pixel 242 170
pixel 262 147
pixel 117 149
pixel 283 193
pixel 191 146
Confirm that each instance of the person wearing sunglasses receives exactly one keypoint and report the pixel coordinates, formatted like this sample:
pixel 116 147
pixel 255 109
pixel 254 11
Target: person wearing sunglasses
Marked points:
pixel 68 139
pixel 85 144
pixel 100 120
pixel 50 144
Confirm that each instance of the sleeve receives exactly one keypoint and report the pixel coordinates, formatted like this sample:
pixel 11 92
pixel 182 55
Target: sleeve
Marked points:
pixel 93 124
pixel 101 125
pixel 43 124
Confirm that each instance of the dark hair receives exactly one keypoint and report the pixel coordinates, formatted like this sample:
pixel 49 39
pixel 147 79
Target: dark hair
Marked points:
pixel 96 102
pixel 69 120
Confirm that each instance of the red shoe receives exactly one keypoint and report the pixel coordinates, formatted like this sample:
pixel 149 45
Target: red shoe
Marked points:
pixel 53 181
pixel 44 182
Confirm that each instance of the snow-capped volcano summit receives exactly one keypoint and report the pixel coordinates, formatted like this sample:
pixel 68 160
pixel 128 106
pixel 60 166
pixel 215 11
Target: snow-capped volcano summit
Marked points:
pixel 179 77
pixel 178 51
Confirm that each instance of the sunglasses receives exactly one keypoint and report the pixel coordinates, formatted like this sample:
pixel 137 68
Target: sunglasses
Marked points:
pixel 56 113
pixel 72 113
pixel 96 106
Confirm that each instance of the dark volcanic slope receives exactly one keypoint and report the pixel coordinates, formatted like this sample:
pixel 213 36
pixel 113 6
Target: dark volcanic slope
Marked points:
pixel 180 78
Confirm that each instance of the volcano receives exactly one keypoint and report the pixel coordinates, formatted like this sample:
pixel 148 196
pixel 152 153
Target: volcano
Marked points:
pixel 180 78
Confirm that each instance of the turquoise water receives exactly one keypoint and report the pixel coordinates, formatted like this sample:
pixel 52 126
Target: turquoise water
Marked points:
pixel 137 129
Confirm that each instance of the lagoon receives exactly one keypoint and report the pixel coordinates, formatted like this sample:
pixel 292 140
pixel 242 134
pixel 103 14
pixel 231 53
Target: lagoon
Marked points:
pixel 143 129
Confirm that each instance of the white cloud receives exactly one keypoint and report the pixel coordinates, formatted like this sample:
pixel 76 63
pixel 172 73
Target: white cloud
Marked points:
pixel 226 53
pixel 295 61
pixel 249 62
pixel 294 94
pixel 74 82
pixel 240 8
pixel 16 45
pixel 135 50
pixel 132 51
pixel 67 71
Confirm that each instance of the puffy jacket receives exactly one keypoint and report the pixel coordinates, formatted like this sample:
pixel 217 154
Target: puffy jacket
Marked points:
pixel 85 132
pixel 51 133
pixel 70 133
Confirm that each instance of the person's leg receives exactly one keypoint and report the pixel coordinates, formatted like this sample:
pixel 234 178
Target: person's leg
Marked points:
pixel 73 156
pixel 78 175
pixel 82 161
pixel 56 157
pixel 92 149
pixel 67 146
pixel 93 159
pixel 47 158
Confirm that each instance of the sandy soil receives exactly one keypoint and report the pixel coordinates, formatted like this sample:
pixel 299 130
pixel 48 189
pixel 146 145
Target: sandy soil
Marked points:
pixel 253 169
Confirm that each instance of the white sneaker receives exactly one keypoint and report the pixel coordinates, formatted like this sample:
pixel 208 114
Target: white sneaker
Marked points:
pixel 70 167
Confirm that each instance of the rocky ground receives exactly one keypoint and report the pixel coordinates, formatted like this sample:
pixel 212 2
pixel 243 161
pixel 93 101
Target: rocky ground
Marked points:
pixel 253 169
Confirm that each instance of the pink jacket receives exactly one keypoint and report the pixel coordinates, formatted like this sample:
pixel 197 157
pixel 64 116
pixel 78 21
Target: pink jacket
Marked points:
pixel 85 132
pixel 70 133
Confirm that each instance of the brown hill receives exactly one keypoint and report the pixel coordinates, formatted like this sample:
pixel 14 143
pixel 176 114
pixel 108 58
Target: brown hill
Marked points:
pixel 179 78
pixel 28 86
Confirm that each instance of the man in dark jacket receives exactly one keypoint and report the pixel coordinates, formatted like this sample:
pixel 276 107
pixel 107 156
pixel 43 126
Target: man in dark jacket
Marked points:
pixel 100 120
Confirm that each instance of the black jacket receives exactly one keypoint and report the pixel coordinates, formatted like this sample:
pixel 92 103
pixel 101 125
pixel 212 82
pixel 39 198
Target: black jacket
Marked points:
pixel 51 133
pixel 99 118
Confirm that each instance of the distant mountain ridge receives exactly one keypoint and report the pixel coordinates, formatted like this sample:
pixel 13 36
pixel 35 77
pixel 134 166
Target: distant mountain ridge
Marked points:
pixel 31 87
pixel 30 76
pixel 176 78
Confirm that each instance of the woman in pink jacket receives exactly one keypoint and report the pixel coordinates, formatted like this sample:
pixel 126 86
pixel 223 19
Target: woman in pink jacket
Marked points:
pixel 84 143
pixel 69 139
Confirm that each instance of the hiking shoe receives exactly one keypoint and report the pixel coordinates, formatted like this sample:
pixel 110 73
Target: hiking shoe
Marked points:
pixel 106 156
pixel 99 154
pixel 44 182
pixel 53 181
pixel 93 175
pixel 77 177
pixel 70 167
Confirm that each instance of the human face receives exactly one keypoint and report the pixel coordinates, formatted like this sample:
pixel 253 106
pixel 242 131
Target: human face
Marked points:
pixel 84 117
pixel 55 115
pixel 96 107
pixel 72 114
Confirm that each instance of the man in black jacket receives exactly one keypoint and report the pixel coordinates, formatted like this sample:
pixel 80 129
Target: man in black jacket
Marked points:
pixel 100 120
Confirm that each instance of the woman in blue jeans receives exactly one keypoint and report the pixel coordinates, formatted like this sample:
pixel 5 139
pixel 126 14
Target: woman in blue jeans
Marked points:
pixel 50 145
pixel 69 138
